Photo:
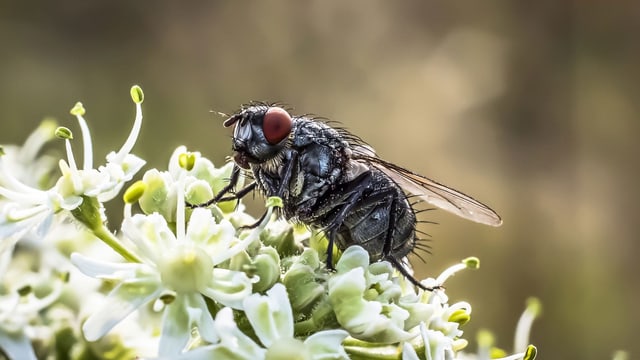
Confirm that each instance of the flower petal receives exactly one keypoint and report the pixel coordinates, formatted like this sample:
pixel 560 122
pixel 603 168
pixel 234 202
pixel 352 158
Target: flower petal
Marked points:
pixel 408 352
pixel 16 346
pixel 270 316
pixel 176 328
pixel 102 269
pixel 122 301
pixel 228 287
pixel 150 234
pixel 365 320
pixel 233 341
pixel 327 345
pixel 234 344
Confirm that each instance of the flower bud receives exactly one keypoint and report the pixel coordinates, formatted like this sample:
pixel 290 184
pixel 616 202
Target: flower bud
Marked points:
pixel 267 264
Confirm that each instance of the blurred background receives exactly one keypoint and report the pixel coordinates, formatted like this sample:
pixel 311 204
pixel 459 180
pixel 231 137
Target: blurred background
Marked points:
pixel 531 107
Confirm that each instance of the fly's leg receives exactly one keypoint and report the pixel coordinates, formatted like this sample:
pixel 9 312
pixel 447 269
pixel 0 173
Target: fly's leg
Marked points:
pixel 220 196
pixel 356 186
pixel 286 177
pixel 386 251
pixel 238 194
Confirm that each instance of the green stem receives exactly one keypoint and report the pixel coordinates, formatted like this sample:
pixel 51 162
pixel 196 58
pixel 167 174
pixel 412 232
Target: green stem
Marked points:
pixel 89 214
pixel 108 238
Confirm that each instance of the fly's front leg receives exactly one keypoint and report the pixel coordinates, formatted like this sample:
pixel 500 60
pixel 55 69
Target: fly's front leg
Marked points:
pixel 220 196
pixel 285 177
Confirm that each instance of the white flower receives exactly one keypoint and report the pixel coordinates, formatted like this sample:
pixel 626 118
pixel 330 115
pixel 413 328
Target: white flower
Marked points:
pixel 26 207
pixel 272 321
pixel 179 269
pixel 19 313
pixel 200 181
pixel 364 298
pixel 26 163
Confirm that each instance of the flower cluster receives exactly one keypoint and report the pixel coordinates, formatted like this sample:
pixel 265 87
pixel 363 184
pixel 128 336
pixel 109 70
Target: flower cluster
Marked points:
pixel 204 283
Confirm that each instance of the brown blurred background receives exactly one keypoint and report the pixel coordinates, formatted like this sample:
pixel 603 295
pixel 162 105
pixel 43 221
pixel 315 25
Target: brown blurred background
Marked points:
pixel 532 107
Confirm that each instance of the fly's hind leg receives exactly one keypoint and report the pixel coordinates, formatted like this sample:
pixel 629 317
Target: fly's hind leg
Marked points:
pixel 386 251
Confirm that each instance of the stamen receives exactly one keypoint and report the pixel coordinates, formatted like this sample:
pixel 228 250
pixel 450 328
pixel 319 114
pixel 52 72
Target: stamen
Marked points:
pixel 137 125
pixel 87 143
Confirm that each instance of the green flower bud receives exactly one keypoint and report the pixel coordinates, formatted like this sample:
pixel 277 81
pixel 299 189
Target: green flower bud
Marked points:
pixel 198 192
pixel 242 262
pixel 158 197
pixel 217 179
pixel 364 319
pixel 279 234
pixel 303 288
pixel 267 264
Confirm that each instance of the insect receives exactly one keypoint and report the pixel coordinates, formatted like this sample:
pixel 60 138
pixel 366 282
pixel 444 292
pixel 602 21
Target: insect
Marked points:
pixel 330 179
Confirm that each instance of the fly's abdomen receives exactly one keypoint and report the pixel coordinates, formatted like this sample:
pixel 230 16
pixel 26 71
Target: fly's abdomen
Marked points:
pixel 374 225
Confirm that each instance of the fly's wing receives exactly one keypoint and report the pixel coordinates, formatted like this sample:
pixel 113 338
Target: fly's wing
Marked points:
pixel 431 191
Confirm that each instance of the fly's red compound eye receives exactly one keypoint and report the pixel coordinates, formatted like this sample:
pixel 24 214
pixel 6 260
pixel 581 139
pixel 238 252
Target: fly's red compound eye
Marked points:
pixel 276 125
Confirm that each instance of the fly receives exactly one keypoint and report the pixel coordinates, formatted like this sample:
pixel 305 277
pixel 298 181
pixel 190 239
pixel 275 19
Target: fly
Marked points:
pixel 331 180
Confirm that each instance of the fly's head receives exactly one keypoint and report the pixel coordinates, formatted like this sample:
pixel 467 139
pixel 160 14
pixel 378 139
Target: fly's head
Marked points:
pixel 260 134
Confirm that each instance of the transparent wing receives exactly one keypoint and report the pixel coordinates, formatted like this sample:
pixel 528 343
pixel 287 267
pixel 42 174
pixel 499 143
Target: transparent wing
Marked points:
pixel 433 192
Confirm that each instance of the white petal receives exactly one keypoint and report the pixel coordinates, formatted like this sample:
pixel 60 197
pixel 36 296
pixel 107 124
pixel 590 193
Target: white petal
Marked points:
pixel 202 225
pixel 202 353
pixel 202 318
pixel 102 269
pixel 327 345
pixel 408 352
pixel 228 287
pixel 122 301
pixel 16 346
pixel 176 329
pixel 150 234
pixel 234 341
pixel 71 202
pixel 270 316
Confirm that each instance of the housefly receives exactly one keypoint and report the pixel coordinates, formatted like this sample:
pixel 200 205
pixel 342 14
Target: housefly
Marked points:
pixel 331 180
